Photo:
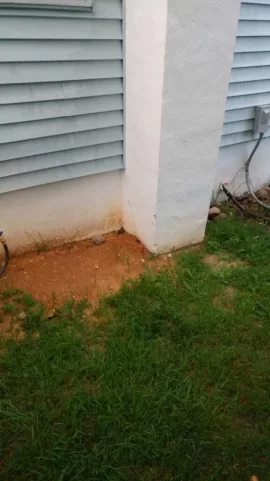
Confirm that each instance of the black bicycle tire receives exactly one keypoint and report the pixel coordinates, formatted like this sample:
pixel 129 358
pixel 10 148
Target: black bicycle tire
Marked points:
pixel 6 250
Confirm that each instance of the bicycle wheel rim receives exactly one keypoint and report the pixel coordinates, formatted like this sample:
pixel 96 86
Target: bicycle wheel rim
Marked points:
pixel 4 257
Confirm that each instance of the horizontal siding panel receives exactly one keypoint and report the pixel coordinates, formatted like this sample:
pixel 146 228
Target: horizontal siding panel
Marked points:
pixel 248 28
pixel 234 127
pixel 248 74
pixel 239 114
pixel 252 59
pixel 255 44
pixel 60 50
pixel 247 88
pixel 104 9
pixel 61 94
pixel 32 179
pixel 250 77
pixel 247 101
pixel 44 128
pixel 239 138
pixel 257 2
pixel 254 12
pixel 56 143
pixel 13 94
pixel 17 113
pixel 14 73
pixel 57 159
pixel 59 28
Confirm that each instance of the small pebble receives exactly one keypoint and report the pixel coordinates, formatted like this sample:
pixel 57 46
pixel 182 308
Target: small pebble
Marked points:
pixel 221 216
pixel 213 212
pixel 262 194
pixel 97 240
pixel 22 316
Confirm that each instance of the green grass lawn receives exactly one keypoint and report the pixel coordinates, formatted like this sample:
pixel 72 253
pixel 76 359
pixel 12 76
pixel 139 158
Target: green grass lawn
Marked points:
pixel 173 383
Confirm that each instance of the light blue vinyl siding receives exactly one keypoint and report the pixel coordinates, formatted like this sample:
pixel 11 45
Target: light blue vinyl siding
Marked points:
pixel 61 94
pixel 250 77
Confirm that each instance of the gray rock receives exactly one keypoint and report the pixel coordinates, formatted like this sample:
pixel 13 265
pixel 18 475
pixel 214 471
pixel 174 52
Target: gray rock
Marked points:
pixel 22 316
pixel 97 240
pixel 213 212
pixel 262 194
pixel 221 216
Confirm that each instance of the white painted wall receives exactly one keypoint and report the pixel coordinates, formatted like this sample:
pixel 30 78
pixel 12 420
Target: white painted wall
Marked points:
pixel 62 211
pixel 230 167
pixel 178 60
pixel 199 52
pixel 181 52
pixel 145 40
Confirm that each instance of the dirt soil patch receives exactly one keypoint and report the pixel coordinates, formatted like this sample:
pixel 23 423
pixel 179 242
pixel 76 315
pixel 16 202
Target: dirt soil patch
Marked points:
pixel 219 263
pixel 10 327
pixel 226 297
pixel 81 269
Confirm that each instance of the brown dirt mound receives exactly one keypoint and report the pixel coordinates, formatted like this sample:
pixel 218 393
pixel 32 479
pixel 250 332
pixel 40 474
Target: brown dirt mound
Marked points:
pixel 81 269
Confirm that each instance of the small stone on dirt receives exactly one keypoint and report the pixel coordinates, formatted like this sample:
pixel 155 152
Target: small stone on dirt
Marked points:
pixel 221 216
pixel 97 240
pixel 213 212
pixel 51 314
pixel 262 194
pixel 22 316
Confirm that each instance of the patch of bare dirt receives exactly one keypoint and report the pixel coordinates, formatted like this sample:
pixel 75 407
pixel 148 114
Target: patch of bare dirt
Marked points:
pixel 226 297
pixel 81 269
pixel 10 328
pixel 218 263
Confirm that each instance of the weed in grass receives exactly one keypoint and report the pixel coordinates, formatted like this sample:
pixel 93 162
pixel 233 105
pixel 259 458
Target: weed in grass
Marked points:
pixel 34 318
pixel 17 298
pixel 10 293
pixel 9 308
pixel 72 309
pixel 173 387
pixel 27 301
